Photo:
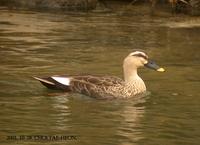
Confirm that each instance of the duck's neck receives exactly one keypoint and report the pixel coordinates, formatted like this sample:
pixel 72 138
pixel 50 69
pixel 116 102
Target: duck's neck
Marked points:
pixel 132 79
pixel 130 75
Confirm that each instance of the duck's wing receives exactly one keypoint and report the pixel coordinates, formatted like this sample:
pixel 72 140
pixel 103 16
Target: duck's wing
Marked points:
pixel 97 80
pixel 94 86
pixel 85 84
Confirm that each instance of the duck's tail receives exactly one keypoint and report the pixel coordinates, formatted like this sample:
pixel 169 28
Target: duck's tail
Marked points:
pixel 51 83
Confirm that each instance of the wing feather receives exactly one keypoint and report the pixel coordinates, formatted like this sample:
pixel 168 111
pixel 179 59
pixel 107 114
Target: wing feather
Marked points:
pixel 93 85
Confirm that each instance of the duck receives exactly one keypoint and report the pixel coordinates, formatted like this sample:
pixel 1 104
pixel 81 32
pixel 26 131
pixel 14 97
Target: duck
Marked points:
pixel 106 87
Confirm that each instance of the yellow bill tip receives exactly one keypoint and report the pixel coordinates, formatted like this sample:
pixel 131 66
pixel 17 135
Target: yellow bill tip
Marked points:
pixel 161 69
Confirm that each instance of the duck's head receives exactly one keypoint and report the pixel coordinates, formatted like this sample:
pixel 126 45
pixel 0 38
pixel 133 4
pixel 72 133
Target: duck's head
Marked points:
pixel 138 59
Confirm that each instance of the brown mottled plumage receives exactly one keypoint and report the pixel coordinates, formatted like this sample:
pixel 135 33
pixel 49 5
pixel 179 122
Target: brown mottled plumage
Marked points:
pixel 105 87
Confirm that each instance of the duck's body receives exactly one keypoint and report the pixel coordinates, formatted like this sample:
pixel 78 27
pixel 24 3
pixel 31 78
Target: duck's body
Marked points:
pixel 100 87
pixel 105 87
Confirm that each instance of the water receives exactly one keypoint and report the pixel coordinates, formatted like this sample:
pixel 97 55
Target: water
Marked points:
pixel 42 44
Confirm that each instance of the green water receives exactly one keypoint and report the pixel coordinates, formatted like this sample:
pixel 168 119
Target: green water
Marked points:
pixel 42 44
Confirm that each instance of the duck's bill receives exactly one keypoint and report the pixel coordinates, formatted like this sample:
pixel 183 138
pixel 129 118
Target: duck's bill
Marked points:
pixel 152 65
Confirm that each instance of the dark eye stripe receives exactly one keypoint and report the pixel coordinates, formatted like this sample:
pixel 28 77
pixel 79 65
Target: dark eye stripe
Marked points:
pixel 140 55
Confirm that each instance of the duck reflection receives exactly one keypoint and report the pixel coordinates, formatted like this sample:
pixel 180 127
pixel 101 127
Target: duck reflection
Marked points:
pixel 60 112
pixel 103 122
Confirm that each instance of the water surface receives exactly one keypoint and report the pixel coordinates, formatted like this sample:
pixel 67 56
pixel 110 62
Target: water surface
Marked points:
pixel 42 44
